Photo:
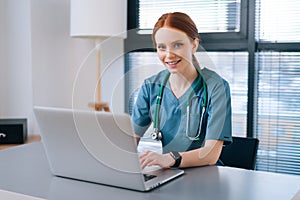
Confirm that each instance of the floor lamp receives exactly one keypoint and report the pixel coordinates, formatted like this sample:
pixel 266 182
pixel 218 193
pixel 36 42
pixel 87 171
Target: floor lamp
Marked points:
pixel 98 20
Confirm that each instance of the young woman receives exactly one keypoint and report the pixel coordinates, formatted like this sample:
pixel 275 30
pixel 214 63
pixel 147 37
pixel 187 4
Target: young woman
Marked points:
pixel 189 105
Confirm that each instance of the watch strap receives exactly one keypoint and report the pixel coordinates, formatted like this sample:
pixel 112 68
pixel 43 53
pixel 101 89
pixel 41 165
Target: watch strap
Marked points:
pixel 177 157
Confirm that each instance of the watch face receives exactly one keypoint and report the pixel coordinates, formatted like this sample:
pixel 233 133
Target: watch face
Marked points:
pixel 175 155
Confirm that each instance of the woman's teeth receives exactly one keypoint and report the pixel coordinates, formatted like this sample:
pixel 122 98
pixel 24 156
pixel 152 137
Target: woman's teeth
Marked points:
pixel 173 62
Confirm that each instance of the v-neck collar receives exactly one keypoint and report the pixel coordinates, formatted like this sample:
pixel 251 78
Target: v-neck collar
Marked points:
pixel 185 95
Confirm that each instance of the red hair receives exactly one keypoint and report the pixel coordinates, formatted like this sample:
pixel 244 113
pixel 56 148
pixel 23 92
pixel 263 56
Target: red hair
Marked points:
pixel 177 20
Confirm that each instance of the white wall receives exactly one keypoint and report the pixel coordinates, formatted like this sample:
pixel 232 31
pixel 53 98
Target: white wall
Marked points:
pixel 55 55
pixel 49 61
pixel 112 70
pixel 2 56
pixel 15 64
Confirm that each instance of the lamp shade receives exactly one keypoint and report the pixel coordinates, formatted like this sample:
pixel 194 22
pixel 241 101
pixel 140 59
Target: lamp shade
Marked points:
pixel 98 18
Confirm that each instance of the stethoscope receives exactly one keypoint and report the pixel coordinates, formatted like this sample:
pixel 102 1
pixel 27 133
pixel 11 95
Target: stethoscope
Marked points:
pixel 157 135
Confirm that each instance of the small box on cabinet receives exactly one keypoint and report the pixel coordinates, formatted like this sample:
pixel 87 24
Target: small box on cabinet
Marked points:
pixel 13 131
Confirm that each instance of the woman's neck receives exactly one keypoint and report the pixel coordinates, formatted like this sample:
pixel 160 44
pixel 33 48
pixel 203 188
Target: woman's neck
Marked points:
pixel 181 82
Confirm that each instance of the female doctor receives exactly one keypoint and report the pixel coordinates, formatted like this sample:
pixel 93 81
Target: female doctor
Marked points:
pixel 189 105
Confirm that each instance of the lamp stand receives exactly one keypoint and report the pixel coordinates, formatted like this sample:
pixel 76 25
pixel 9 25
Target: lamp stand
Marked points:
pixel 98 105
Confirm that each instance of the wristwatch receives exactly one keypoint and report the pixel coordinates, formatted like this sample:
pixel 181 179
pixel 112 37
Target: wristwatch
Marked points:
pixel 177 157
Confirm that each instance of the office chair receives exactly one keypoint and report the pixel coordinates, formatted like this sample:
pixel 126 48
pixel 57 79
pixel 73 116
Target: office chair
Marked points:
pixel 241 153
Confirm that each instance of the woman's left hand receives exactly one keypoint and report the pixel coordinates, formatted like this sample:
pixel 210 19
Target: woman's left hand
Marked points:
pixel 150 158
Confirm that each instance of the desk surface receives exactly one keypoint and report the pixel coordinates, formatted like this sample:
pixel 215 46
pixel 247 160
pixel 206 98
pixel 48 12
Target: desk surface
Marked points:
pixel 26 171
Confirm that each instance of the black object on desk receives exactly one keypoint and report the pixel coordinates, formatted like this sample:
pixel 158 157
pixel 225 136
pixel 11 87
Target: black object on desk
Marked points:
pixel 13 131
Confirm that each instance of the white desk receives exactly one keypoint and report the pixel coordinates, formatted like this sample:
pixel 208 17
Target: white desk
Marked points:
pixel 24 169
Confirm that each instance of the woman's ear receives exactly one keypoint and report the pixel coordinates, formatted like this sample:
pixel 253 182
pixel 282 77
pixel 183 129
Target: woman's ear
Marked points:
pixel 195 45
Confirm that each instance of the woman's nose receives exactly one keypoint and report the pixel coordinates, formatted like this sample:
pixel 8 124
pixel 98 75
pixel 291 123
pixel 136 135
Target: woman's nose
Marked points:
pixel 170 53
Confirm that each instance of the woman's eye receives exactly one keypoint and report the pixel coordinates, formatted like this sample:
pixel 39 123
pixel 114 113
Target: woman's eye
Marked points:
pixel 161 47
pixel 177 45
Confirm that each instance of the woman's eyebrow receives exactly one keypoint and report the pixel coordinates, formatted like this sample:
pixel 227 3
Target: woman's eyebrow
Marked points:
pixel 176 41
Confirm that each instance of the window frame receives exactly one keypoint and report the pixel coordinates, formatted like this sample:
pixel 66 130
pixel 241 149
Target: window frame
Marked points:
pixel 231 41
pixel 245 40
pixel 240 41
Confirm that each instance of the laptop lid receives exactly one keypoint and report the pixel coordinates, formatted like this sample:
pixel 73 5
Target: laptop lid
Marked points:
pixel 95 146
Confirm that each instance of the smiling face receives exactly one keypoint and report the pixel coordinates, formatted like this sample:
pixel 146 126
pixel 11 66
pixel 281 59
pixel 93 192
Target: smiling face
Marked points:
pixel 175 49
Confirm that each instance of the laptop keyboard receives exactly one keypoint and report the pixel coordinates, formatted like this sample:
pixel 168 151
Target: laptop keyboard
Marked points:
pixel 148 177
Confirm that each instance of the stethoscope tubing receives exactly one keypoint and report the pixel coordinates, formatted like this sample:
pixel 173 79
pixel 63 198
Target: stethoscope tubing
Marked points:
pixel 188 121
pixel 157 135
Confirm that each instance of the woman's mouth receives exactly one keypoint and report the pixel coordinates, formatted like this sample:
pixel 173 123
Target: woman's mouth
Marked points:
pixel 172 63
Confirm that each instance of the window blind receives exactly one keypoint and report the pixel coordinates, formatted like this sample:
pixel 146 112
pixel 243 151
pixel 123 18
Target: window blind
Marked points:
pixel 278 21
pixel 230 65
pixel 140 66
pixel 278 83
pixel 209 15
pixel 278 112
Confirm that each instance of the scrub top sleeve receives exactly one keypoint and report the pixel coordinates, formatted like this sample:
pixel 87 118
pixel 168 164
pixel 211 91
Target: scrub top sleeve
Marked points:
pixel 219 125
pixel 140 117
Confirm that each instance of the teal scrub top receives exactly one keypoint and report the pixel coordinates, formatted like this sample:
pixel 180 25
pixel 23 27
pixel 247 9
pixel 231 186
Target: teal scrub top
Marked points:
pixel 173 112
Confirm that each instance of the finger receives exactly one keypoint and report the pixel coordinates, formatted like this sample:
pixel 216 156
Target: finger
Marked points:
pixel 145 156
pixel 152 162
pixel 148 163
pixel 147 159
pixel 141 156
pixel 145 162
pixel 146 153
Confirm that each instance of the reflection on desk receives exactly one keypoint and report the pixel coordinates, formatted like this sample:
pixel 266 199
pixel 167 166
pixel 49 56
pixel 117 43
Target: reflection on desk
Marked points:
pixel 7 195
pixel 30 139
pixel 27 172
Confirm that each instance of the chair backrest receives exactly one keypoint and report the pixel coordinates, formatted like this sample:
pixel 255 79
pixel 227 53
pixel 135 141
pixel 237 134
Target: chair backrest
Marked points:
pixel 240 153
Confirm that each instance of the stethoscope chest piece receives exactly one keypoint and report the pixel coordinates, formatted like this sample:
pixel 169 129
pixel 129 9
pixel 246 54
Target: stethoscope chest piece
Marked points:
pixel 156 135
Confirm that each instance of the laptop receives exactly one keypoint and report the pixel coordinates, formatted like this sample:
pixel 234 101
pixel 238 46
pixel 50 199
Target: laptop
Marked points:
pixel 96 147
